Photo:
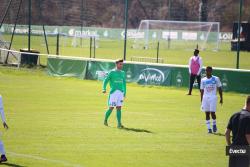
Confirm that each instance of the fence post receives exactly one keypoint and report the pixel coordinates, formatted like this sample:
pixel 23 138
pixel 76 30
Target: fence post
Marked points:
pixel 57 44
pixel 158 47
pixel 238 35
pixel 90 48
pixel 29 32
pixel 126 29
pixel 94 47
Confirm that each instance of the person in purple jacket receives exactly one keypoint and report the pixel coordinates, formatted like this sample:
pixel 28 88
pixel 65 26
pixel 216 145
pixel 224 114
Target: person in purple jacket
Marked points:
pixel 195 67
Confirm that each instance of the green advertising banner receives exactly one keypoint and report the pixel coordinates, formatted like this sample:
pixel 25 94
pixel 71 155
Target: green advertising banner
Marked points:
pixel 234 80
pixel 139 73
pixel 180 77
pixel 67 67
pixel 98 70
pixel 143 74
pixel 146 74
pixel 104 33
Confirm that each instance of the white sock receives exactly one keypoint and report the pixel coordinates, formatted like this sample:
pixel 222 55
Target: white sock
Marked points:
pixel 208 124
pixel 2 151
pixel 214 121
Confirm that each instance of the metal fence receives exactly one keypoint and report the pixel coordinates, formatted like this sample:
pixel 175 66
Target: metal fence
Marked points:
pixel 96 28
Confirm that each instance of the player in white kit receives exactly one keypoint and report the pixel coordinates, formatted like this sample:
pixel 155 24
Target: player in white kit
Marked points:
pixel 2 151
pixel 209 86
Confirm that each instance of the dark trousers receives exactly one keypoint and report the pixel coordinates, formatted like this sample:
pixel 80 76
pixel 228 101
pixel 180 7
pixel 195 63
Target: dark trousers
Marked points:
pixel 191 81
pixel 238 161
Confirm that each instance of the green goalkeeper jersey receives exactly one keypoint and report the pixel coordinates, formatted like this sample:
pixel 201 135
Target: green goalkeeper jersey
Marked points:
pixel 117 81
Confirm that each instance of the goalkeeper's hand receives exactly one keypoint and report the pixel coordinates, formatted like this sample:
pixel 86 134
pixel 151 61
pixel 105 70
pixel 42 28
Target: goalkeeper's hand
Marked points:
pixel 5 125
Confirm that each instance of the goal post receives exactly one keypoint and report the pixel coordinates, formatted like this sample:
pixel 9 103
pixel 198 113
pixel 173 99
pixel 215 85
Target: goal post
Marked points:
pixel 178 35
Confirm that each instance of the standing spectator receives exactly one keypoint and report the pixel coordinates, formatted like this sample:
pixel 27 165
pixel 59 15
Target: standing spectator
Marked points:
pixel 239 125
pixel 195 67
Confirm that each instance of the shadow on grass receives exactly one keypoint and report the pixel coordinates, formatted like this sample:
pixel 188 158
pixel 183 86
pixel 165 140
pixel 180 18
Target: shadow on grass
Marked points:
pixel 221 134
pixel 10 164
pixel 218 134
pixel 136 130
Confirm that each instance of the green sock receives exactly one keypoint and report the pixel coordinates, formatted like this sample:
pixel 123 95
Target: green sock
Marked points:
pixel 119 116
pixel 109 111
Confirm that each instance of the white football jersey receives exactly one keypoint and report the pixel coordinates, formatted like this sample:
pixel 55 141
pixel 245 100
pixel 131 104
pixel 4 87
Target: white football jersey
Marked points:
pixel 210 85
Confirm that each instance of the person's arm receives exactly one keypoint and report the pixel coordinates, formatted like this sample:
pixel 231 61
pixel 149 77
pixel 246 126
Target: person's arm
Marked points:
pixel 2 115
pixel 189 65
pixel 248 131
pixel 202 93
pixel 219 86
pixel 248 138
pixel 124 85
pixel 221 95
pixel 228 131
pixel 228 137
pixel 200 61
pixel 3 118
pixel 105 82
pixel 202 89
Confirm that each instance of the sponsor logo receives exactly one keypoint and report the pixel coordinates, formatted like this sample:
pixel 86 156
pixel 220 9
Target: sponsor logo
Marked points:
pixel 202 36
pixel 179 79
pixel 238 150
pixel 101 75
pixel 26 30
pixel 84 33
pixel 152 76
pixel 169 35
pixel 226 36
pixel 189 35
pixel 133 34
pixel 203 74
pixel 2 29
pixel 224 83
pixel 154 35
pixel 129 75
pixel 105 33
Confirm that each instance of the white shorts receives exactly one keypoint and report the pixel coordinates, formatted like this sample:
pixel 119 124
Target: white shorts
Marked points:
pixel 116 99
pixel 209 103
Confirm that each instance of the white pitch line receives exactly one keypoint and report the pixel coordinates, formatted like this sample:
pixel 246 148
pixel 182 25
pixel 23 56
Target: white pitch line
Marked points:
pixel 44 159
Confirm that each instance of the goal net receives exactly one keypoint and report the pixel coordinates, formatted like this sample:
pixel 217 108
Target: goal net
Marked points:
pixel 184 35
pixel 6 57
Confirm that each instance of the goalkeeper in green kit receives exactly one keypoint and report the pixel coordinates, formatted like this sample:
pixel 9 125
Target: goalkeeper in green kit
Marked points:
pixel 117 80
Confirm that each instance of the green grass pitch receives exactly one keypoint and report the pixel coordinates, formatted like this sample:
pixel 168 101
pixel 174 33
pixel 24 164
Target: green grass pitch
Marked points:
pixel 57 122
